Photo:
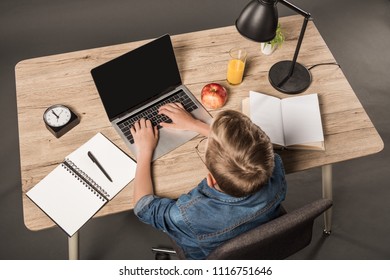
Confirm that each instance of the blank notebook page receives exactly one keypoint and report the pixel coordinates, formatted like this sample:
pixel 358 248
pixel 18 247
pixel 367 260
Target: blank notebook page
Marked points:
pixel 302 120
pixel 66 200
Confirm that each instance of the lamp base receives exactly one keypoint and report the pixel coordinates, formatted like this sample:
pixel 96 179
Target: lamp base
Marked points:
pixel 299 81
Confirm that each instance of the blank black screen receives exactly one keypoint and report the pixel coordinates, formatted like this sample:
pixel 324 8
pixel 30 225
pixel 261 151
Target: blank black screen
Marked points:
pixel 134 78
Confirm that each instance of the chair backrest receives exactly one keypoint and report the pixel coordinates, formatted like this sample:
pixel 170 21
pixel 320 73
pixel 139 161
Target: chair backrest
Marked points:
pixel 277 239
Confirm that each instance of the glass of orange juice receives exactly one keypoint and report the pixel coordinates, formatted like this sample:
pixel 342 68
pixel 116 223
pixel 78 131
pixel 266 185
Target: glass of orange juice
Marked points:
pixel 236 66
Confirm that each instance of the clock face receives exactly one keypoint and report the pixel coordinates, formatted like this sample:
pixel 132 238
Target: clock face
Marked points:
pixel 57 116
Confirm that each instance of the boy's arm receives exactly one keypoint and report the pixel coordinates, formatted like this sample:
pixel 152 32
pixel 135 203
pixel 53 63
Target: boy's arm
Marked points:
pixel 183 120
pixel 145 138
pixel 143 184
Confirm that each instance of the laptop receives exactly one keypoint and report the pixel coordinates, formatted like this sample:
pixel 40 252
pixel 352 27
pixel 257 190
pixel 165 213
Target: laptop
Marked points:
pixel 136 84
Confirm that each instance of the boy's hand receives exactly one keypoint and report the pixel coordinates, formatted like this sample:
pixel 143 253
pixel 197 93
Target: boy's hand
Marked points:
pixel 181 119
pixel 145 137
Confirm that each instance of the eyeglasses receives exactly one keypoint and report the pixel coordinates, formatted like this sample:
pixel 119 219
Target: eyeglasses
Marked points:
pixel 200 149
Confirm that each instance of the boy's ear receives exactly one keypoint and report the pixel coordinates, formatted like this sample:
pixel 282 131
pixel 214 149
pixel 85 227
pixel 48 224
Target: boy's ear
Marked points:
pixel 211 180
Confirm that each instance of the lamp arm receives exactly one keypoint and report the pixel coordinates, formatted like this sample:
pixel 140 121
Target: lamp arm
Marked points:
pixel 295 8
pixel 307 17
pixel 303 29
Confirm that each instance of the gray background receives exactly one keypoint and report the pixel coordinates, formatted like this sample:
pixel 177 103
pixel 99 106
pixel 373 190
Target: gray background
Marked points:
pixel 356 31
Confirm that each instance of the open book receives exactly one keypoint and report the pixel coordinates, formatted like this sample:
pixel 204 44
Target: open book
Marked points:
pixel 293 122
pixel 77 188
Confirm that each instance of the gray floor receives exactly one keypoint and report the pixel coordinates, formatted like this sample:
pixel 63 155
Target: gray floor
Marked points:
pixel 356 31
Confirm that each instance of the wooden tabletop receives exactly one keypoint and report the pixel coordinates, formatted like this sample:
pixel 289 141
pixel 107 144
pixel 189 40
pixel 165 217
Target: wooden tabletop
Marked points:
pixel 202 58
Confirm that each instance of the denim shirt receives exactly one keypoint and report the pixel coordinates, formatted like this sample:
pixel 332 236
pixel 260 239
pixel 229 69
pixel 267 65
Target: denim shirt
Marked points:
pixel 204 218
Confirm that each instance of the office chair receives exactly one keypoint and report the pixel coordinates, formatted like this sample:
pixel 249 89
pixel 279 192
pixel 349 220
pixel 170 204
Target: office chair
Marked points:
pixel 276 239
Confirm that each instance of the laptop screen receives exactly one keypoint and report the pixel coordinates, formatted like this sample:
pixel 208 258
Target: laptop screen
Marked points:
pixel 133 79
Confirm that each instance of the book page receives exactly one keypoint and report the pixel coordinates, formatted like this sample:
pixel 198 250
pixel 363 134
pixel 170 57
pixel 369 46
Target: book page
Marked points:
pixel 302 120
pixel 65 199
pixel 119 166
pixel 265 111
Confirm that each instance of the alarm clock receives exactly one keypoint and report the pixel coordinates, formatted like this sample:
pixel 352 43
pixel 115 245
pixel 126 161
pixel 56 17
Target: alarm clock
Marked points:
pixel 59 119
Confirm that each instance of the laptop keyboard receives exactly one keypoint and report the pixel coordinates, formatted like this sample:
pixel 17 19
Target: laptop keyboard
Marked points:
pixel 151 113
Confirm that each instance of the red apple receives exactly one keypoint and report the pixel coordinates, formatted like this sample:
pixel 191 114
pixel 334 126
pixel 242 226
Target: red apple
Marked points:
pixel 213 96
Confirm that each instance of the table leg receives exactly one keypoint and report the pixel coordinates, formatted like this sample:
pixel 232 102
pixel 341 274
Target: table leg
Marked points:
pixel 73 246
pixel 327 193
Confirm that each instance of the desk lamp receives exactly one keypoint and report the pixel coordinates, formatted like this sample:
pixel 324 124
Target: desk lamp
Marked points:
pixel 258 22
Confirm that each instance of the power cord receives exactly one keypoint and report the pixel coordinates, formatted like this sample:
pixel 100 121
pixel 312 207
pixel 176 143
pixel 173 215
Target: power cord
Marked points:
pixel 321 64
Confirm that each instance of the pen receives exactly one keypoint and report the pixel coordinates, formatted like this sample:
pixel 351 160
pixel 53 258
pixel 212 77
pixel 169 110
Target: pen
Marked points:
pixel 93 158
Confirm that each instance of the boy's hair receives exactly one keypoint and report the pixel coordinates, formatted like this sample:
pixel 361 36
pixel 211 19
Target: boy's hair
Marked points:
pixel 239 154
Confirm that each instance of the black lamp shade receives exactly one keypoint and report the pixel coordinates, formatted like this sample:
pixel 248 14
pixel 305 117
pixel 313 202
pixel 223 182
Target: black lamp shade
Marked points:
pixel 258 20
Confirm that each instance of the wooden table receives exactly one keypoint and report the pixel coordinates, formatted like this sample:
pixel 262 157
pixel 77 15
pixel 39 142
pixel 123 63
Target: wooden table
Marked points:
pixel 202 58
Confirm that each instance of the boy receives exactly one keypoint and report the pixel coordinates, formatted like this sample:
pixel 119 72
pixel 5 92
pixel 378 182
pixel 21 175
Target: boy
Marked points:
pixel 243 189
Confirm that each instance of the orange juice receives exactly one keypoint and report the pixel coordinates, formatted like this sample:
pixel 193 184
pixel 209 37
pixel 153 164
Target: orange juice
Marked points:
pixel 235 71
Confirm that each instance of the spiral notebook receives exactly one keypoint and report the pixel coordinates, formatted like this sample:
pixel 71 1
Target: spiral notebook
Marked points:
pixel 76 189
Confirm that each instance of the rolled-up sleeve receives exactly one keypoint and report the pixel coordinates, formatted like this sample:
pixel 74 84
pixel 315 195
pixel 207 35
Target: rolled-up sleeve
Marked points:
pixel 155 211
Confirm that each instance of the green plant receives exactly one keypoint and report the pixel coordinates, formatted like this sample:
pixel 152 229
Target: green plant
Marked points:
pixel 278 39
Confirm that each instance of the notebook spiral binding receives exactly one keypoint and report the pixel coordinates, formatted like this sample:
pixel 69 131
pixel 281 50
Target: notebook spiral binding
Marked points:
pixel 86 180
